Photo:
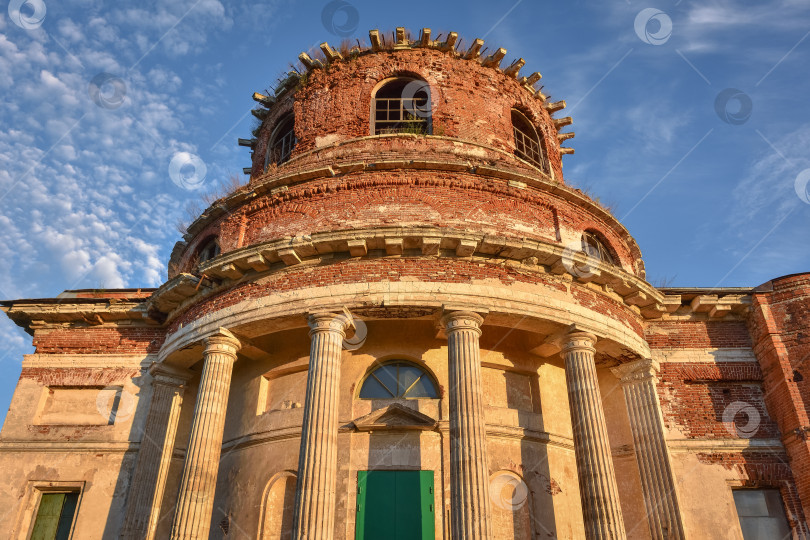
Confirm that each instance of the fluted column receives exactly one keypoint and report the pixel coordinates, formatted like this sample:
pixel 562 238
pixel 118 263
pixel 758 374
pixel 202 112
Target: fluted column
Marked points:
pixel 469 467
pixel 597 479
pixel 155 453
pixel 195 501
pixel 314 516
pixel 638 381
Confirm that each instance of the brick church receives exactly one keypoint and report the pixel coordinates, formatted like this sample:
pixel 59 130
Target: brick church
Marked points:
pixel 408 325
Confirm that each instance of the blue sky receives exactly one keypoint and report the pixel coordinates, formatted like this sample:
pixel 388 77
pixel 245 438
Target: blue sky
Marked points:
pixel 98 97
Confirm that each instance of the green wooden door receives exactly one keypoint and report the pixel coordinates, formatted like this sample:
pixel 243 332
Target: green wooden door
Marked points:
pixel 395 505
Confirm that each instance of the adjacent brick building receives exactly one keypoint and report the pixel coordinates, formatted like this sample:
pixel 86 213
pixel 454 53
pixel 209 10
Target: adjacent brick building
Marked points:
pixel 408 324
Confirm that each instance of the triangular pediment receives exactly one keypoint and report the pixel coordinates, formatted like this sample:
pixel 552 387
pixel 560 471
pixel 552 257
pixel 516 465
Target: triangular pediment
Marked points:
pixel 393 417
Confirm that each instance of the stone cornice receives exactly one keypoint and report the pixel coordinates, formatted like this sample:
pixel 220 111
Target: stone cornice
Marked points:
pixel 43 313
pixel 531 255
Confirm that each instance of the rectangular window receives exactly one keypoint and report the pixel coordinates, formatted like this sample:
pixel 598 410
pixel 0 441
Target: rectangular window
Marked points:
pixel 762 516
pixel 55 515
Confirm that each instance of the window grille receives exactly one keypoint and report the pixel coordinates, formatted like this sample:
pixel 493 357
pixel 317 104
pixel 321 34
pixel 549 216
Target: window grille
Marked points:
pixel 402 106
pixel 593 247
pixel 209 250
pixel 282 142
pixel 527 142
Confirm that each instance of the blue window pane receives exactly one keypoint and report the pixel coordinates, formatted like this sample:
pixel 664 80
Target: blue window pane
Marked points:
pixel 424 388
pixel 372 389
pixel 397 380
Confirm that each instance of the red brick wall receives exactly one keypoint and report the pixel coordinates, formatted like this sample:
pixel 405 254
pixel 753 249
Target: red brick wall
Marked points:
pixel 713 401
pixel 697 334
pixel 470 102
pixel 780 326
pixel 106 340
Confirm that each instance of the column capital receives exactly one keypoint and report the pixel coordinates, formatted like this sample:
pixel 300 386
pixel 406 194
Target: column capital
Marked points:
pixel 222 341
pixel 578 340
pixel 636 371
pixel 461 320
pixel 165 373
pixel 327 321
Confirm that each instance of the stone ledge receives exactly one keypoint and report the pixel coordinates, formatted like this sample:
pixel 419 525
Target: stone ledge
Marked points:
pixel 67 447
pixel 724 445
pixel 531 255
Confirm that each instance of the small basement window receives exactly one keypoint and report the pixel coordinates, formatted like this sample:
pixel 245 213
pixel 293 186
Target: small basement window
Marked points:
pixel 592 246
pixel 398 380
pixel 402 105
pixel 55 516
pixel 527 141
pixel 282 142
pixel 761 513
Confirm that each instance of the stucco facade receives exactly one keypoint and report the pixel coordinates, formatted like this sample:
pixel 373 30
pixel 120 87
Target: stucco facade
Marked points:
pixel 572 398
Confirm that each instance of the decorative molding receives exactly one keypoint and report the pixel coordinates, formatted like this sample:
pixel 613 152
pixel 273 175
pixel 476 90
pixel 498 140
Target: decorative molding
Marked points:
pixel 533 256
pixel 638 370
pixel 394 417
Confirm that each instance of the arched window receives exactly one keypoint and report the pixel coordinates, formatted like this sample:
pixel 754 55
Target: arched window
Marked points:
pixel 208 249
pixel 398 380
pixel 402 105
pixel 527 141
pixel 592 246
pixel 282 142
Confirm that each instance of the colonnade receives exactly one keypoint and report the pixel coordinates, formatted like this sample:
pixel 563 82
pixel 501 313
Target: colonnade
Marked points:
pixel 315 497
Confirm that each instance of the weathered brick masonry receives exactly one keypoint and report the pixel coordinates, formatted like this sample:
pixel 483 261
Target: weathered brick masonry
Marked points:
pixel 559 393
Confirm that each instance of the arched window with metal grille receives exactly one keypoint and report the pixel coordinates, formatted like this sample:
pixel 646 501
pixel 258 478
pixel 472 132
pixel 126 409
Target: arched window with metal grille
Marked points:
pixel 208 249
pixel 398 379
pixel 594 247
pixel 528 144
pixel 282 142
pixel 402 105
